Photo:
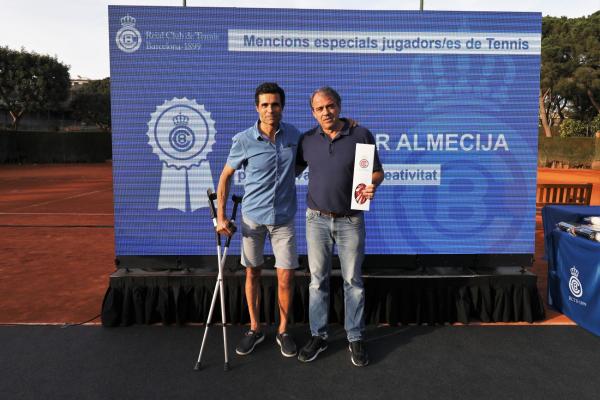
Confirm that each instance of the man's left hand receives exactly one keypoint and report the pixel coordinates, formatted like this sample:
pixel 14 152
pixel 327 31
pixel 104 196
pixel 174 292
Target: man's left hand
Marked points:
pixel 369 191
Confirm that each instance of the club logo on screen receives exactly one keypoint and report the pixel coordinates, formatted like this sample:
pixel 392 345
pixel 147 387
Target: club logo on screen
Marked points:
pixel 182 133
pixel 128 38
pixel 574 283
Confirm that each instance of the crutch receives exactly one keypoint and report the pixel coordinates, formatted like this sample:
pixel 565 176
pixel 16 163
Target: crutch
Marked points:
pixel 219 287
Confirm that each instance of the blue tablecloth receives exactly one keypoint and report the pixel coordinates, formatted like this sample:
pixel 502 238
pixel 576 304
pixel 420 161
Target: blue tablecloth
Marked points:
pixel 573 267
pixel 552 215
pixel 574 283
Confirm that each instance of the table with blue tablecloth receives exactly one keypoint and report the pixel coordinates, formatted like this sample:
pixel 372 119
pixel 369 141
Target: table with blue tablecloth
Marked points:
pixel 573 266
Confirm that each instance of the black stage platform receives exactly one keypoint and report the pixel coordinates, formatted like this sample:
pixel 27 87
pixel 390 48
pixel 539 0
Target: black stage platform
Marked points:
pixel 425 295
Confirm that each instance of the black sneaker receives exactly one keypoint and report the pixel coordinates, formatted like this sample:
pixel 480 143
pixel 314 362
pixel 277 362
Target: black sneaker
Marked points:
pixel 358 352
pixel 250 340
pixel 312 349
pixel 286 342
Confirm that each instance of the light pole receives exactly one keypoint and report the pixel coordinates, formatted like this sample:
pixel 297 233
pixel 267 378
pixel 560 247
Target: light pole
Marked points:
pixel 422 1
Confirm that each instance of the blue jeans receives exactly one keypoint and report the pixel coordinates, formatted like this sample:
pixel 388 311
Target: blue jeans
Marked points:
pixel 348 233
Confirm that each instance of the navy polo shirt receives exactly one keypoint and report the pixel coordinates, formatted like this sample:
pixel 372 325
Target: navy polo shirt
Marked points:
pixel 331 166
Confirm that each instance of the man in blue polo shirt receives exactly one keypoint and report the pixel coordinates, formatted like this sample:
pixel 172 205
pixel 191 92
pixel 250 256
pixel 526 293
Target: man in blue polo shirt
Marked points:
pixel 329 150
pixel 267 152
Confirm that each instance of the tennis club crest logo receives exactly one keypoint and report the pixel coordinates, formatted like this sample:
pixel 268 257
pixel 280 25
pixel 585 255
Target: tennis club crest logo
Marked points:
pixel 128 37
pixel 574 283
pixel 182 134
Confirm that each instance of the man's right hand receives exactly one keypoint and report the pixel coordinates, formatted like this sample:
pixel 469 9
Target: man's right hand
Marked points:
pixel 224 227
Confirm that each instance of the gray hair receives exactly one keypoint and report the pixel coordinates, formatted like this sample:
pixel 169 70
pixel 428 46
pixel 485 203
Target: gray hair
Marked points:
pixel 327 91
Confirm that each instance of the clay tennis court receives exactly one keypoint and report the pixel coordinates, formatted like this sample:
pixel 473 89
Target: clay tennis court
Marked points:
pixel 57 246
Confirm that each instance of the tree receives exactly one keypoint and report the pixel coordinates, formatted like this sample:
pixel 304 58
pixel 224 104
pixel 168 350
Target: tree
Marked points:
pixel 553 67
pixel 570 73
pixel 572 128
pixel 586 76
pixel 90 103
pixel 595 124
pixel 31 82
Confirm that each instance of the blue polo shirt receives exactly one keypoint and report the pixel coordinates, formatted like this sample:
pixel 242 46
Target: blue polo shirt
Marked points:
pixel 331 166
pixel 270 185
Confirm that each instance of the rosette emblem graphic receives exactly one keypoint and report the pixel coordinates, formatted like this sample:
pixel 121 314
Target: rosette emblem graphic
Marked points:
pixel 182 133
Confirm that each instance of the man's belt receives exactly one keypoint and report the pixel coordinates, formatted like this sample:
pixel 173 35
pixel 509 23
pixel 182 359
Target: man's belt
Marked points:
pixel 336 215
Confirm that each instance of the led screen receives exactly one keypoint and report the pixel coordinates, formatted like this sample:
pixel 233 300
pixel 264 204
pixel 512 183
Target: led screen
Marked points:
pixel 451 98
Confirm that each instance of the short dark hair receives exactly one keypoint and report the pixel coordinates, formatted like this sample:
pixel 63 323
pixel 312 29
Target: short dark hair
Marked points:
pixel 270 88
pixel 327 91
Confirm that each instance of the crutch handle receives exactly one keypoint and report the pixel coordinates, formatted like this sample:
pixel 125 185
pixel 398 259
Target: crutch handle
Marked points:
pixel 236 201
pixel 212 196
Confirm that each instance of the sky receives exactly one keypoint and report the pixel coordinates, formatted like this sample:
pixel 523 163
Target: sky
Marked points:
pixel 76 31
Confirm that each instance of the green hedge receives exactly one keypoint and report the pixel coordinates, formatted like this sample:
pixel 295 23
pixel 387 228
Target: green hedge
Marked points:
pixel 54 147
pixel 48 147
pixel 576 152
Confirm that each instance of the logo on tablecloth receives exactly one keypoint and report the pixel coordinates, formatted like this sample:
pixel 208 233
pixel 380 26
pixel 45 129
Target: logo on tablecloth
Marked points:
pixel 575 284
pixel 182 133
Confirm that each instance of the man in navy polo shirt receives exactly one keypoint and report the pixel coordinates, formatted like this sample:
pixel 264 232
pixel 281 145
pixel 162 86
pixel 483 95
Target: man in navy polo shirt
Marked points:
pixel 267 153
pixel 329 150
